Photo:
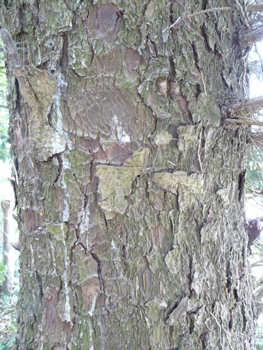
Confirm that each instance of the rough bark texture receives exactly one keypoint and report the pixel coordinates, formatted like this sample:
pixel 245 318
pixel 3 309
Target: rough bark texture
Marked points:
pixel 130 190
pixel 8 251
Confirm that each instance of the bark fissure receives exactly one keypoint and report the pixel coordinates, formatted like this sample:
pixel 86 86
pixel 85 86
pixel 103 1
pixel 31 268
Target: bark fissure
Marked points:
pixel 100 265
pixel 208 48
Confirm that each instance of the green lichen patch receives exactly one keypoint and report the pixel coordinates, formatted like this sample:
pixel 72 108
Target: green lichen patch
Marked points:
pixel 212 113
pixel 57 231
pixel 172 260
pixel 115 183
pixel 163 138
pixel 37 87
pixel 80 162
pixel 172 182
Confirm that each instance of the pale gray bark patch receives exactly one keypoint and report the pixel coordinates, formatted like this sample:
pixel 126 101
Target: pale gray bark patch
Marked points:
pixel 8 252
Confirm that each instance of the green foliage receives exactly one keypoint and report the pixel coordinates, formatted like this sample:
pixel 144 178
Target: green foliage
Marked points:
pixel 2 271
pixel 2 266
pixel 10 344
pixel 8 327
pixel 259 337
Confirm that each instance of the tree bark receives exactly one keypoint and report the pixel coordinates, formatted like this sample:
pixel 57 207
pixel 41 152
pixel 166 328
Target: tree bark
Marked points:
pixel 130 191
pixel 8 251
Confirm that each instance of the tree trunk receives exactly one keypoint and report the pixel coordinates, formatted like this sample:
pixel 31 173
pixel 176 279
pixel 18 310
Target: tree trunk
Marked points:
pixel 8 251
pixel 129 188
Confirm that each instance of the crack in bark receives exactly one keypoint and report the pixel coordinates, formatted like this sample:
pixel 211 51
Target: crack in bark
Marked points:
pixel 86 201
pixel 203 339
pixel 207 47
pixel 133 190
pixel 15 189
pixel 64 54
pixel 191 324
pixel 235 294
pixel 38 10
pixel 60 165
pixel 169 310
pixel 96 258
pixel 145 8
pixel 243 312
pixel 204 3
pixel 172 70
pixel 40 285
pixel 154 47
pixel 229 277
pixel 49 116
pixel 171 17
pixel 195 57
pixel 170 79
pixel 92 53
pixel 77 181
pixel 78 241
pixel 148 107
pixel 241 184
pixel 189 276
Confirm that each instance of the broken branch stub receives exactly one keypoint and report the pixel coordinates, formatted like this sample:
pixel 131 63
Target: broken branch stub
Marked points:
pixel 245 108
pixel 256 8
pixel 251 36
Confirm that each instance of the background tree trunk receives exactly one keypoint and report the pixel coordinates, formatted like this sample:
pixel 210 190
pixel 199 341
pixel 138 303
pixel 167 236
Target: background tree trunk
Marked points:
pixel 130 190
pixel 8 251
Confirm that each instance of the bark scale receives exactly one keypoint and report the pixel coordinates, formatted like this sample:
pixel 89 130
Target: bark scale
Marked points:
pixel 130 190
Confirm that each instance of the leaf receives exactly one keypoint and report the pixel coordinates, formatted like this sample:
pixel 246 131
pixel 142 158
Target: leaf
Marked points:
pixel 4 347
pixel 11 340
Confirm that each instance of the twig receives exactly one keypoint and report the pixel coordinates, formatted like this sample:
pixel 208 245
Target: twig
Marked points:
pixel 250 5
pixel 242 121
pixel 221 326
pixel 242 13
pixel 179 20
pixel 203 81
pixel 2 106
pixel 168 161
pixel 250 188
